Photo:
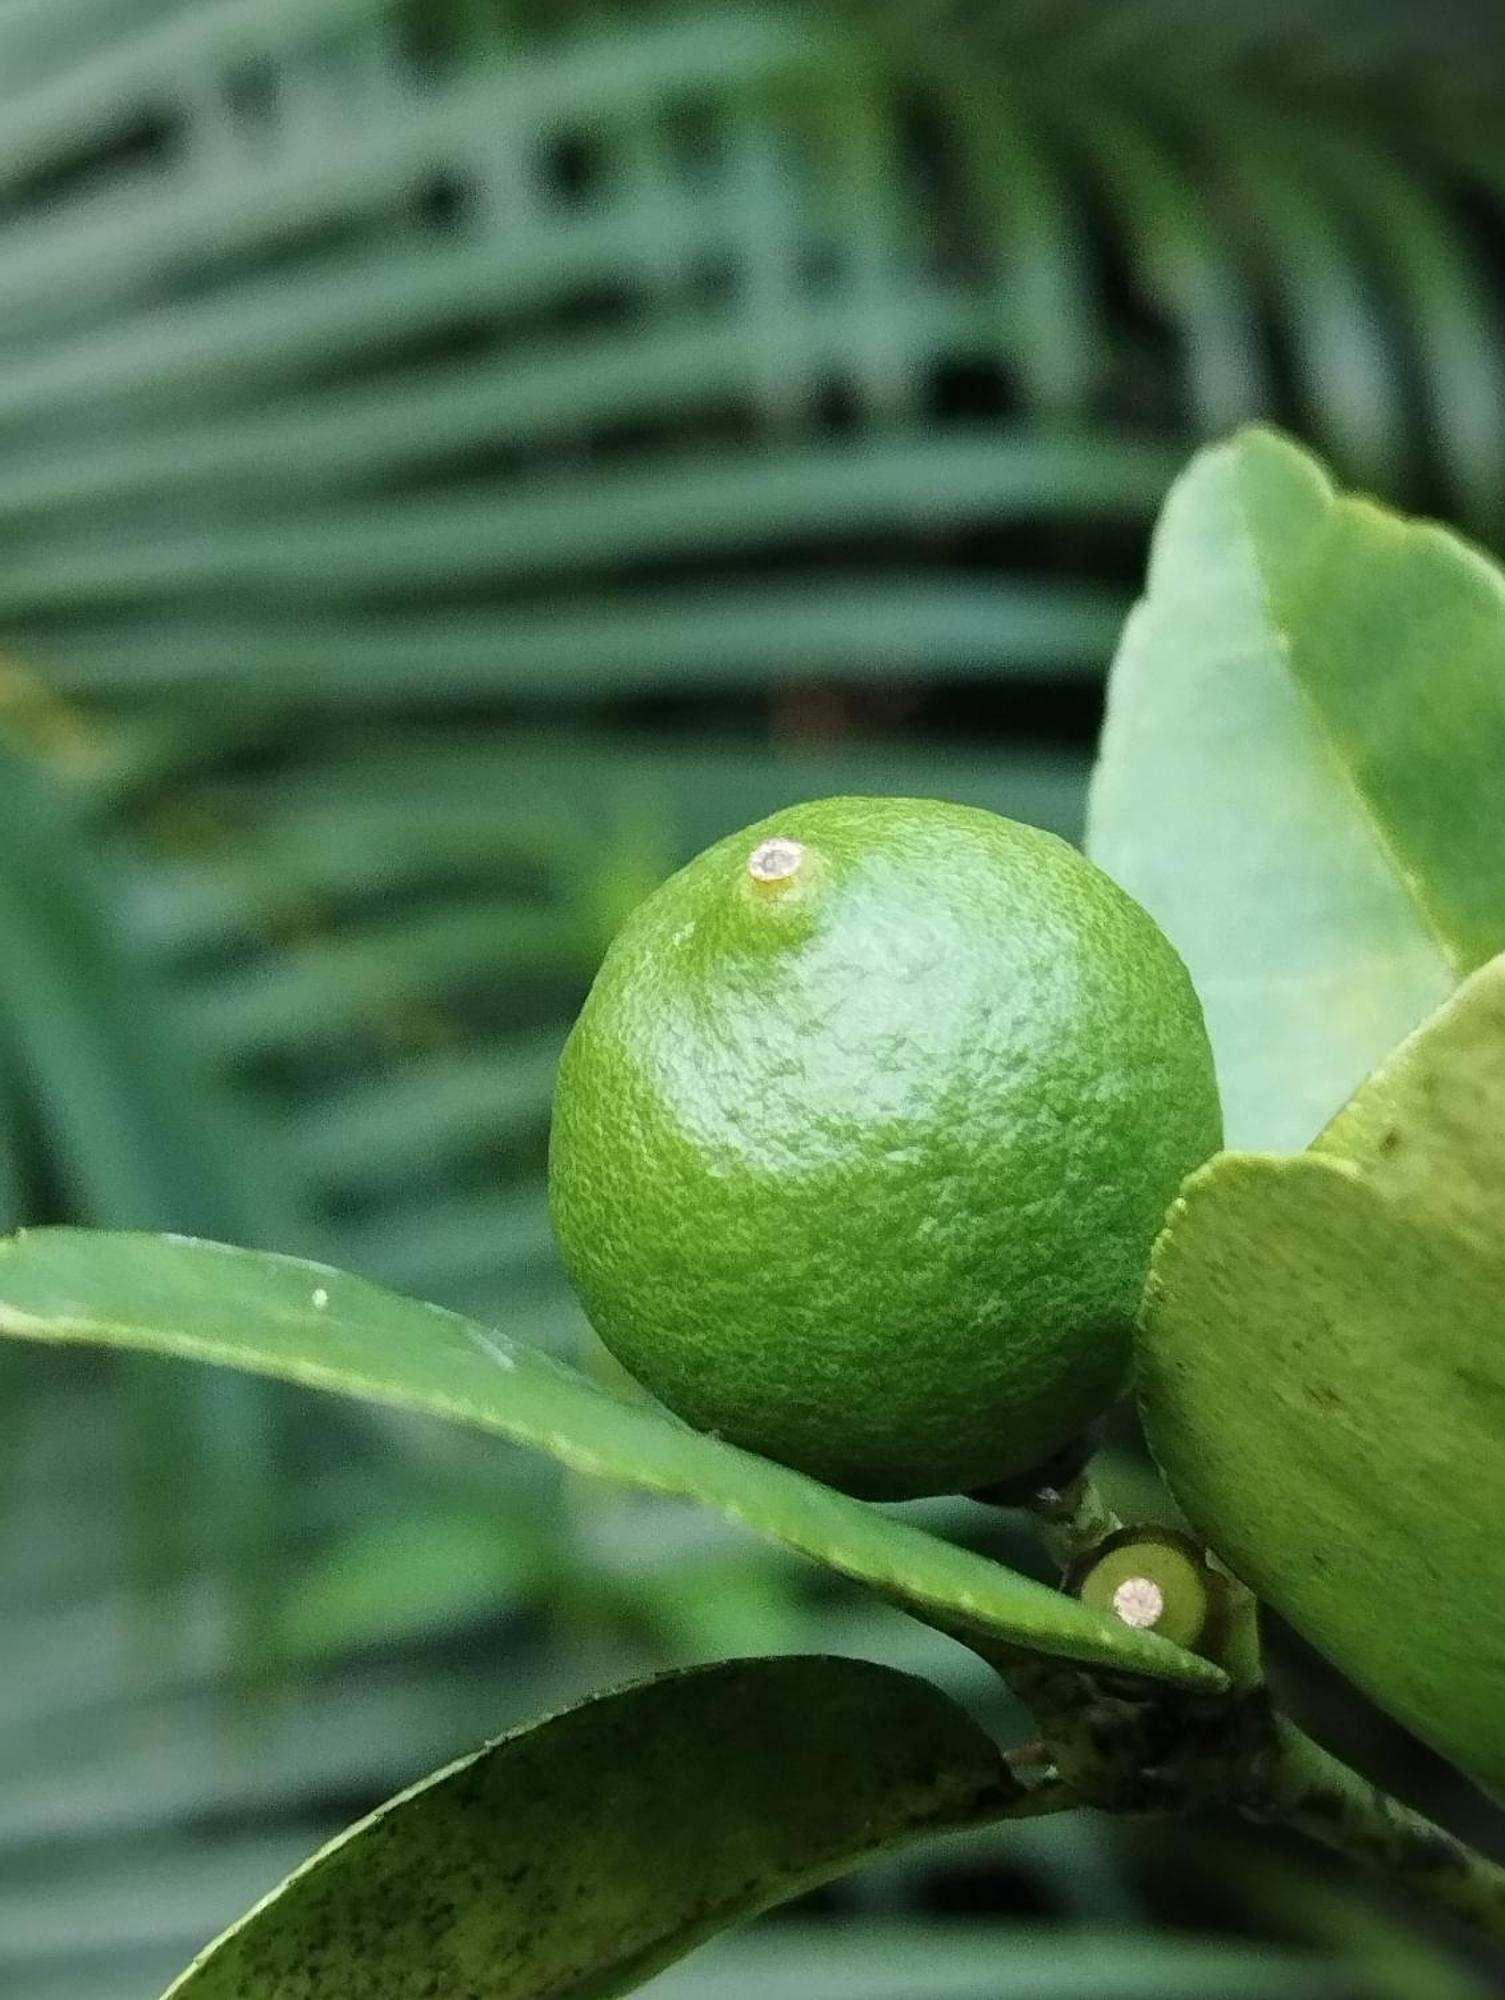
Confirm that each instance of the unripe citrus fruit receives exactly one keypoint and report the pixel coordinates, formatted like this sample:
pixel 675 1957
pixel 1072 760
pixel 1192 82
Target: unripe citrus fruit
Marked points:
pixel 863 1136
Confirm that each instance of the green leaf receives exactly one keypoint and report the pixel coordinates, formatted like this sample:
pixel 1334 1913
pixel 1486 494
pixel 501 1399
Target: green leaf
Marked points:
pixel 579 1855
pixel 12 1167
pixel 138 1137
pixel 1300 774
pixel 607 646
pixel 307 1323
pixel 398 1578
pixel 1323 1378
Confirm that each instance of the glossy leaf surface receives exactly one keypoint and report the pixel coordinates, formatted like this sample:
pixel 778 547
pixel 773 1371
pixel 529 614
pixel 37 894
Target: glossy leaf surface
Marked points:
pixel 325 1329
pixel 1323 1378
pixel 1300 774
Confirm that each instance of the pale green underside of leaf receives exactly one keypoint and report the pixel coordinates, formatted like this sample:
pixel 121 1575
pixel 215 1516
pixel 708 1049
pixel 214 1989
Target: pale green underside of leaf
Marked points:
pixel 575 1857
pixel 326 1329
pixel 1301 774
pixel 1323 1378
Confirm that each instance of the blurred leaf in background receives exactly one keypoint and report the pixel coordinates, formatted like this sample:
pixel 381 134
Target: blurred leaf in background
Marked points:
pixel 457 458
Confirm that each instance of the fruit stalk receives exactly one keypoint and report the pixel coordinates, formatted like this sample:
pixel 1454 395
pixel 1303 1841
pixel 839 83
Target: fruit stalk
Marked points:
pixel 1072 1519
pixel 1315 1793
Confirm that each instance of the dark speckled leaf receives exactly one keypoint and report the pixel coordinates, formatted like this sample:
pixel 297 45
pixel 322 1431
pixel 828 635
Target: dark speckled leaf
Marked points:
pixel 572 1859
pixel 305 1323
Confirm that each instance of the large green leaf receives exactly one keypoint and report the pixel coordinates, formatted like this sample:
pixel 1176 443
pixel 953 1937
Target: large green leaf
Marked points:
pixel 1323 1378
pixel 1300 774
pixel 577 1856
pixel 306 1323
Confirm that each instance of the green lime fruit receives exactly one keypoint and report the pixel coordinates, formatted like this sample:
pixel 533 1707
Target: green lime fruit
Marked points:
pixel 863 1136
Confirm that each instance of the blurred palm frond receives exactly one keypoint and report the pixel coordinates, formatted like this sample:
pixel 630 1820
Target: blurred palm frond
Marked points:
pixel 455 459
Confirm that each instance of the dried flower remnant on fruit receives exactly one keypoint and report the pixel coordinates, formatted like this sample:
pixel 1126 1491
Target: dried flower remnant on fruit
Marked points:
pixel 1140 1602
pixel 776 861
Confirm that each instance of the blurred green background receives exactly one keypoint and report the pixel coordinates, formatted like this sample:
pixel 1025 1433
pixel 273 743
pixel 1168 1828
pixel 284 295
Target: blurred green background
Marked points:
pixel 458 457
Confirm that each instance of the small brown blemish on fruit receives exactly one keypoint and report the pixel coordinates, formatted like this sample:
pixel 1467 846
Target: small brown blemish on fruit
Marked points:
pixel 776 860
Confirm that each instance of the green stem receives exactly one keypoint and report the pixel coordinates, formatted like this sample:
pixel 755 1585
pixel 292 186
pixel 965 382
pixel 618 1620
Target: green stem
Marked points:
pixel 1071 1519
pixel 1313 1792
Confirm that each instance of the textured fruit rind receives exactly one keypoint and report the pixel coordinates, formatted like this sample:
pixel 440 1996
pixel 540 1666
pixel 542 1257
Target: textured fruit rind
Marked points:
pixel 863 1173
